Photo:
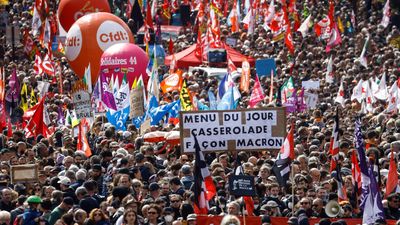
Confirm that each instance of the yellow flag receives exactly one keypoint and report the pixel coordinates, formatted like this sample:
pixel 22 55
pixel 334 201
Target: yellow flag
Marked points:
pixel 186 101
pixel 24 97
pixel 340 25
pixel 4 2
pixel 34 100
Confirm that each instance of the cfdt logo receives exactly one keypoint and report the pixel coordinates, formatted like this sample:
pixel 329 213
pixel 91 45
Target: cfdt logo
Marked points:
pixel 110 33
pixel 86 9
pixel 73 43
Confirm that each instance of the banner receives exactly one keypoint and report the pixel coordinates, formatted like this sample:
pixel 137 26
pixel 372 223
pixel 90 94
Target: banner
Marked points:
pixel 137 102
pixel 315 221
pixel 213 220
pixel 81 100
pixel 264 67
pixel 233 130
pixel 310 84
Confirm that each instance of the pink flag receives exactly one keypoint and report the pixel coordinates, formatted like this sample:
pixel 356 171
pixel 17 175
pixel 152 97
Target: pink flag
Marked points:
pixel 257 95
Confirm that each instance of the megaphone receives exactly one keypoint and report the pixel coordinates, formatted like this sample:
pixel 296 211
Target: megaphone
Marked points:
pixel 333 209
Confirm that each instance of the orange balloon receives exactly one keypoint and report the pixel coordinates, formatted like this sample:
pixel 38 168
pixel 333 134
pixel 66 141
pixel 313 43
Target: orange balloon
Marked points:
pixel 70 11
pixel 90 36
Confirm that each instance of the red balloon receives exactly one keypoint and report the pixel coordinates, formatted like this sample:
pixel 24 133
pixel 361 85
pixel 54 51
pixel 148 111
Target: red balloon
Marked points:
pixel 70 11
pixel 125 57
pixel 90 36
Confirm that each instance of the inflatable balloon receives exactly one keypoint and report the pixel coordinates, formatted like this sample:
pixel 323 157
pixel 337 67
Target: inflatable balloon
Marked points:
pixel 70 11
pixel 125 58
pixel 90 36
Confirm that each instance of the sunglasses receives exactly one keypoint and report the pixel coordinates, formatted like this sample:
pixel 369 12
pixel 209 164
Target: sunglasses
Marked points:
pixel 174 201
pixel 97 214
pixel 151 212
pixel 304 203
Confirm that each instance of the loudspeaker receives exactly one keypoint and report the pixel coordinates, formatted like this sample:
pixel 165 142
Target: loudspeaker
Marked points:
pixel 333 209
pixel 217 56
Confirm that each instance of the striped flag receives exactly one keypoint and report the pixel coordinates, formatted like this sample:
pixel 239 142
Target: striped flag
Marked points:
pixel 334 145
pixel 83 144
pixel 203 187
pixel 281 168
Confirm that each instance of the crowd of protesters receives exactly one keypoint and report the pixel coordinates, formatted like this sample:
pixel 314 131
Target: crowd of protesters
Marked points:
pixel 129 181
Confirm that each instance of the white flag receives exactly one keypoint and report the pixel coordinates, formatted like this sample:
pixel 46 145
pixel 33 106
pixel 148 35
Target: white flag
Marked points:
pixel 382 92
pixel 386 15
pixel 363 58
pixel 358 92
pixel 305 26
pixel 340 95
pixel 329 71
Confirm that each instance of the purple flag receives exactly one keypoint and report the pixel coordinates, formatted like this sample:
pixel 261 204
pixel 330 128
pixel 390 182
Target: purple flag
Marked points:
pixel 301 105
pixel 291 103
pixel 365 181
pixel 13 93
pixel 106 94
pixel 373 208
pixel 60 117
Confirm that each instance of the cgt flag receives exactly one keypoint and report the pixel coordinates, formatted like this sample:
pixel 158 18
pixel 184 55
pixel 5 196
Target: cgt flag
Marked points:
pixel 203 187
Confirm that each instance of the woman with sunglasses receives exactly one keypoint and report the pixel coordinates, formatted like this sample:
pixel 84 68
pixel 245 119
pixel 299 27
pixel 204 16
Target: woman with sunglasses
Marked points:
pixel 130 217
pixel 153 213
pixel 97 217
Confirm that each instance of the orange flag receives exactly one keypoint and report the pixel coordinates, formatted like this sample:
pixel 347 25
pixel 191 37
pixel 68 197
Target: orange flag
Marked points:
pixel 393 178
pixel 245 78
pixel 83 144
pixel 172 82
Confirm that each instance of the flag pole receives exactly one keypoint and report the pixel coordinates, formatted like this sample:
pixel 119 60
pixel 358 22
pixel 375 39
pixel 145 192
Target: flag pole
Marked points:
pixel 292 173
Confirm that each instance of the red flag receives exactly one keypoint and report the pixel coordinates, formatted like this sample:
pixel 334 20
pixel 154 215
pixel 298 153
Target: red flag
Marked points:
pixel 288 33
pixel 289 40
pixel 356 173
pixel 249 203
pixel 9 129
pixel 257 95
pixel 171 46
pixel 392 181
pixel 149 18
pixel 36 123
pixel 287 149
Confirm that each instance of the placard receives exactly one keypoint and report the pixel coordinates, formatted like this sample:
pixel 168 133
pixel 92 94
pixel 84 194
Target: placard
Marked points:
pixel 231 41
pixel 81 100
pixel 241 185
pixel 311 100
pixel 264 67
pixel 137 102
pixel 233 130
pixel 24 173
pixel 310 84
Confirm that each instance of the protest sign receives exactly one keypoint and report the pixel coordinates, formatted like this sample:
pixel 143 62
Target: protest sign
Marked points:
pixel 81 100
pixel 24 173
pixel 264 67
pixel 310 84
pixel 235 130
pixel 311 100
pixel 136 100
pixel 241 185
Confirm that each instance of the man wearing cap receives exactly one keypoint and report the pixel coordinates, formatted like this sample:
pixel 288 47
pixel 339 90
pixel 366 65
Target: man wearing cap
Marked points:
pixel 191 219
pixel 65 183
pixel 60 210
pixel 30 216
pixel 187 178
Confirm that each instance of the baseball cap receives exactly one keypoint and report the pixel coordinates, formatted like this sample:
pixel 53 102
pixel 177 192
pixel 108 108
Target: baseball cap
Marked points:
pixel 65 181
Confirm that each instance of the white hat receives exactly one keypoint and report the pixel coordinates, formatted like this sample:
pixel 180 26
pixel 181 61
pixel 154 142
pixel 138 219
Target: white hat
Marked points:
pixel 65 181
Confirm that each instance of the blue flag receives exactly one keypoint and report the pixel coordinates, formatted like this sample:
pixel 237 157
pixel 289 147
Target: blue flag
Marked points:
pixel 227 102
pixel 212 100
pixel 222 86
pixel 173 113
pixel 118 118
pixel 156 114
